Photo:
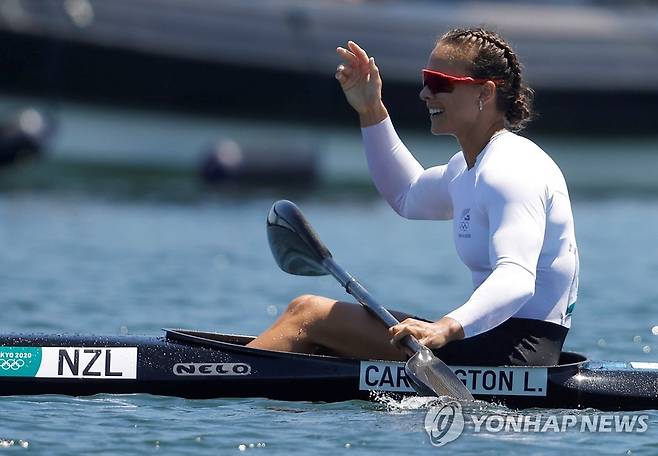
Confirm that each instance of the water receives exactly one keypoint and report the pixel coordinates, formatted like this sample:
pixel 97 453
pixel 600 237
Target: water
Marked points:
pixel 102 249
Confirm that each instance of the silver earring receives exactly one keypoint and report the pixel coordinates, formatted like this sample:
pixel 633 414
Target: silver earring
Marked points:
pixel 481 107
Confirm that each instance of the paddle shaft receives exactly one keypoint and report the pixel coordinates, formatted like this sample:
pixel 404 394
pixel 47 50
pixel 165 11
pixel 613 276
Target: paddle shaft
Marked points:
pixel 354 288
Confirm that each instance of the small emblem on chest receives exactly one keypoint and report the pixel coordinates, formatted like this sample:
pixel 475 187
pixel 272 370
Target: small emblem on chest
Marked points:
pixel 465 224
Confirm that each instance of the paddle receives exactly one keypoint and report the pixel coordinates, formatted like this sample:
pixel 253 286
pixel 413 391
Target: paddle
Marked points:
pixel 298 250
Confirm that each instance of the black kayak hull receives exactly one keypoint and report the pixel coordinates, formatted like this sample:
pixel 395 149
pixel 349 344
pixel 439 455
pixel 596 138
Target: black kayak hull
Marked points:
pixel 199 365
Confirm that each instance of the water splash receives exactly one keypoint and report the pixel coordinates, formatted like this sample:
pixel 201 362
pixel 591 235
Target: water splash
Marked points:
pixel 6 443
pixel 401 405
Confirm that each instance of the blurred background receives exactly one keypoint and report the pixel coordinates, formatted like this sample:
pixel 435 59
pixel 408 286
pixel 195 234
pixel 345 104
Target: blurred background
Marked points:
pixel 166 83
pixel 143 141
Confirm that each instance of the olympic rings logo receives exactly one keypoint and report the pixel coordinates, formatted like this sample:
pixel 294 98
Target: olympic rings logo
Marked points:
pixel 11 364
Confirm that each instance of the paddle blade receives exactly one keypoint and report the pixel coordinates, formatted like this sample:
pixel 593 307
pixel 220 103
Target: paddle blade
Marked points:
pixel 295 246
pixel 432 377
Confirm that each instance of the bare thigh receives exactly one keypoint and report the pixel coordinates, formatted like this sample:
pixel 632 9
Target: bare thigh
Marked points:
pixel 315 324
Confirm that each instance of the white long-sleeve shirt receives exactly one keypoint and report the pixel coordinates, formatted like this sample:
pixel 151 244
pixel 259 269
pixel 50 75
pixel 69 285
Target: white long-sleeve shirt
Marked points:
pixel 512 223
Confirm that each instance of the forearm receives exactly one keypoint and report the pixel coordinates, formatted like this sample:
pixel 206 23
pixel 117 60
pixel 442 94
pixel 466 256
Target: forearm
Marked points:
pixel 392 167
pixel 413 192
pixel 499 297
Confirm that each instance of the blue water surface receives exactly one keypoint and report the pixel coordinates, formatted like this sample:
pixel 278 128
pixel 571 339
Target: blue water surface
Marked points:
pixel 73 263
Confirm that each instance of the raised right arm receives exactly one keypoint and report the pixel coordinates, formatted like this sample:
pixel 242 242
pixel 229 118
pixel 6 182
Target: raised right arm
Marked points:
pixel 412 191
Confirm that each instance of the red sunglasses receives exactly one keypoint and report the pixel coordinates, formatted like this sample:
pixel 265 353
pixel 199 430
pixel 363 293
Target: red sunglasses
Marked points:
pixel 439 82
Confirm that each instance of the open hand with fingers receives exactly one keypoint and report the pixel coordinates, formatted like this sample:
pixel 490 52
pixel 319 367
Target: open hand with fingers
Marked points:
pixel 360 80
pixel 430 334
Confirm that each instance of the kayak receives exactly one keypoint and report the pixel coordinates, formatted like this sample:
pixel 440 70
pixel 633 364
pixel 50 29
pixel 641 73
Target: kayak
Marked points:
pixel 196 364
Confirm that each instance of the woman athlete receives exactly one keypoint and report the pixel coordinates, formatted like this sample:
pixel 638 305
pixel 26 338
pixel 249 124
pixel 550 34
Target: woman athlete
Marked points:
pixel 512 220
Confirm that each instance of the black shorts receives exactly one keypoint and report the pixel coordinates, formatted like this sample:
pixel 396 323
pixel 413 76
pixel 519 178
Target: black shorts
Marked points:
pixel 516 342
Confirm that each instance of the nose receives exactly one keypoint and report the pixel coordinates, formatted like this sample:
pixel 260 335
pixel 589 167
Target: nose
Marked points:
pixel 425 94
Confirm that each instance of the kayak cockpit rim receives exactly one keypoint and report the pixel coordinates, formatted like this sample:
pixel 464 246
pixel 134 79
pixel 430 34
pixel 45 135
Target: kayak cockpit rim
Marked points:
pixel 188 335
pixel 238 342
pixel 569 359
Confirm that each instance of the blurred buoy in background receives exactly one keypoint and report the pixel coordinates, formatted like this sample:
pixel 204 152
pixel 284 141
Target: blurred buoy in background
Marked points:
pixel 24 136
pixel 228 161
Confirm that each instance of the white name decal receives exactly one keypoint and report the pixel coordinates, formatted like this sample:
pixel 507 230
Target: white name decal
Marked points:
pixel 107 363
pixel 487 381
pixel 378 376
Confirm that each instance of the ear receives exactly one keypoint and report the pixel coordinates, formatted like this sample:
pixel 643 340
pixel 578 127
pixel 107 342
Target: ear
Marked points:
pixel 488 92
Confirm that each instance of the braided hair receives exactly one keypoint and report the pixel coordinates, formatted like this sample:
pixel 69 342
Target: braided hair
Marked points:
pixel 491 57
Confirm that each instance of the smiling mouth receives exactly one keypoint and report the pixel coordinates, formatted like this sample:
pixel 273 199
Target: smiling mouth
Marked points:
pixel 434 112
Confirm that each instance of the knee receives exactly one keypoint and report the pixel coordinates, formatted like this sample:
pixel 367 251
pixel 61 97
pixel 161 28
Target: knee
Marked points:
pixel 303 306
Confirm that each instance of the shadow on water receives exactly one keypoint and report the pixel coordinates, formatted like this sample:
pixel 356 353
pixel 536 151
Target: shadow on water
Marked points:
pixel 165 183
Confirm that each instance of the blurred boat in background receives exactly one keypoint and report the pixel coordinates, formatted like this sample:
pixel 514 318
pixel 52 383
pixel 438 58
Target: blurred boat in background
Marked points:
pixel 24 136
pixel 227 161
pixel 593 64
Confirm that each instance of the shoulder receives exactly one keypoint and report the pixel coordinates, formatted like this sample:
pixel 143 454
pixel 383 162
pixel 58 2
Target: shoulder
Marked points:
pixel 511 154
pixel 516 166
pixel 456 164
pixel 512 149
